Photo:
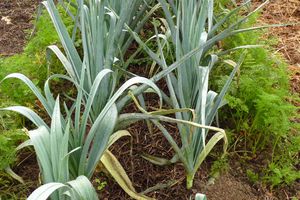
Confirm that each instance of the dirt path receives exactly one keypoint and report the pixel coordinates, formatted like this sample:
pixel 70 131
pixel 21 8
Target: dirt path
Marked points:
pixel 285 12
pixel 15 21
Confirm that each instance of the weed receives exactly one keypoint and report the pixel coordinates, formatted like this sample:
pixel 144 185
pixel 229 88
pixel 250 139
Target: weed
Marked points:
pixel 252 176
pixel 10 136
pixel 100 184
pixel 218 166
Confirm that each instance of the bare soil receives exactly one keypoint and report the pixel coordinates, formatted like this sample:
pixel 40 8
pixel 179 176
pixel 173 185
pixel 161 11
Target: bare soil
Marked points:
pixel 15 18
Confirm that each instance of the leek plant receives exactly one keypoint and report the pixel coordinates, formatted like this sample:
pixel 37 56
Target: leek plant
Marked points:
pixel 200 196
pixel 196 30
pixel 219 31
pixel 51 145
pixel 96 85
pixel 133 13
pixel 73 145
pixel 104 42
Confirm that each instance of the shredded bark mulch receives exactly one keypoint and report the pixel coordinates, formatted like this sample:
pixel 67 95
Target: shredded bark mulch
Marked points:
pixel 284 12
pixel 145 174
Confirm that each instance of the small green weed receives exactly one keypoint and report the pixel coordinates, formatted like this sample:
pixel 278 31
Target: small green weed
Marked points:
pixel 10 136
pixel 252 176
pixel 219 165
pixel 100 184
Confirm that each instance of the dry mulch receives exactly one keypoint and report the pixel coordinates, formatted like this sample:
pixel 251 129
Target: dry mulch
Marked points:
pixel 144 174
pixel 284 12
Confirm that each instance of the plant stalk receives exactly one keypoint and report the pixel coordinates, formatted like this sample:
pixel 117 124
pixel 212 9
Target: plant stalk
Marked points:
pixel 189 180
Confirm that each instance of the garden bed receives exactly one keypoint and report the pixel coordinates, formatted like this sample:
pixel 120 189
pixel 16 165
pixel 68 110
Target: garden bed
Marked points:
pixel 230 181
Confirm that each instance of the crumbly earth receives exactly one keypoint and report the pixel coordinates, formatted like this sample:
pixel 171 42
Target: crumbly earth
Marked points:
pixel 15 18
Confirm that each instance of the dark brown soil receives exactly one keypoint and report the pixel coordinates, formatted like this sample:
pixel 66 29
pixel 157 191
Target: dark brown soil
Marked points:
pixel 15 21
pixel 28 168
pixel 229 187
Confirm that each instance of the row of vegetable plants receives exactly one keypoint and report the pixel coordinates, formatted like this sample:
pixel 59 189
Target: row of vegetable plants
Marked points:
pixel 70 147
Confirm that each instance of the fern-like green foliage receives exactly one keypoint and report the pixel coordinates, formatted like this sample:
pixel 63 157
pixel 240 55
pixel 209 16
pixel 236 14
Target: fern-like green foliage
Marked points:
pixel 282 174
pixel 259 106
pixel 10 136
pixel 8 143
pixel 259 93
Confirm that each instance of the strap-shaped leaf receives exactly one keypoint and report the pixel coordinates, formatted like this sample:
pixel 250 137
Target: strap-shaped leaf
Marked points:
pixel 118 173
pixel 28 113
pixel 55 140
pixel 44 191
pixel 101 131
pixel 78 189
pixel 40 139
pixel 84 188
pixel 63 34
pixel 209 146
pixel 33 88
pixel 116 136
pixel 65 62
